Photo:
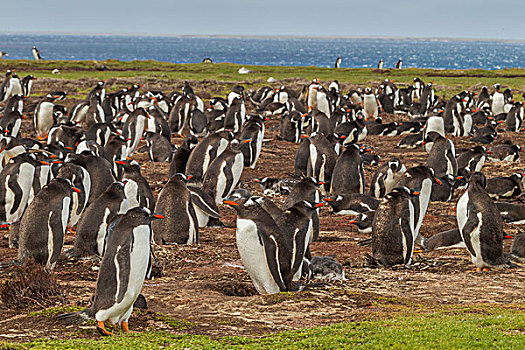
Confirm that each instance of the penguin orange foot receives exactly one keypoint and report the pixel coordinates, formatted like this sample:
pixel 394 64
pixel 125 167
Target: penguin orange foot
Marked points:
pixel 102 329
pixel 125 328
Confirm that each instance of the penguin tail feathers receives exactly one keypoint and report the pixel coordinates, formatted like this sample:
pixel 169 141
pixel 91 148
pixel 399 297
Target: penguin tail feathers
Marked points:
pixel 301 286
pixel 78 317
pixel 365 242
pixel 371 261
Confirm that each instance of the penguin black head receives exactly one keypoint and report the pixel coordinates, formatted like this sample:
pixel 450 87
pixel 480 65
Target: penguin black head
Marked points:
pixel 478 178
pixel 239 195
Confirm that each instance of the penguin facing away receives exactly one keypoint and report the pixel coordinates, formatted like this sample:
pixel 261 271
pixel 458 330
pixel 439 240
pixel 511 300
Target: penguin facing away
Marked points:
pixel 480 225
pixel 348 175
pixel 122 271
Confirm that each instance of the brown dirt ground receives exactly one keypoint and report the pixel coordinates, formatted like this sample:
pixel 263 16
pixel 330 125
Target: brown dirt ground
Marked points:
pixel 204 290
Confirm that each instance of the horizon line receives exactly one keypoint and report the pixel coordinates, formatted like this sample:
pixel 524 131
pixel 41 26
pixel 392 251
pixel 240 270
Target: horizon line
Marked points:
pixel 262 36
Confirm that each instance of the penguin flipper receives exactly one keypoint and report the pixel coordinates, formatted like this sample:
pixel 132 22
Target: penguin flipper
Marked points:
pixel 202 205
pixel 470 226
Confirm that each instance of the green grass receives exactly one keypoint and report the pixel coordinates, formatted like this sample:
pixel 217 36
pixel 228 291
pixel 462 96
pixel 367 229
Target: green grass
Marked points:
pixel 447 81
pixel 490 327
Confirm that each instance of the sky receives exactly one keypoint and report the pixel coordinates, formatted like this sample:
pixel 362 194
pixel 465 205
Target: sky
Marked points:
pixel 485 19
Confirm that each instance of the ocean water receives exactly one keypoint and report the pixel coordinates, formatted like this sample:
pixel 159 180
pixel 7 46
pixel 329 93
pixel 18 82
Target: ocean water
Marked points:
pixel 358 53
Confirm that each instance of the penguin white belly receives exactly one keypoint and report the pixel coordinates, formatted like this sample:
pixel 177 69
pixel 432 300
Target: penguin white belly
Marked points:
pixel 101 234
pixel 202 217
pixel 16 87
pixel 254 258
pixel 237 168
pixel 509 158
pixel 75 203
pixel 258 148
pixel 461 211
pixel 424 197
pixel 131 190
pixel 498 103
pixel 389 180
pixel 192 234
pixel 50 241
pixel 347 212
pixel 322 104
pixel 16 127
pixel 221 184
pixel 25 181
pixel 476 244
pixel 139 130
pixel 44 118
pixel 480 163
pixel 206 160
pixel 139 259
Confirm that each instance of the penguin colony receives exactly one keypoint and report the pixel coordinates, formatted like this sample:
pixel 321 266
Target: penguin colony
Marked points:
pixel 77 173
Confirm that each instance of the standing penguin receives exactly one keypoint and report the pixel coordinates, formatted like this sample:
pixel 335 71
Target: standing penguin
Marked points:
pixel 234 117
pixel 442 157
pixel 252 130
pixel 133 129
pixel 370 107
pixel 224 172
pixel 205 152
pixel 472 160
pixel 90 239
pixel 498 101
pixel 122 271
pixel 138 192
pixel 264 252
pixel 419 179
pixel 480 224
pixel 322 160
pixel 399 64
pixel 380 64
pixel 306 190
pixel 80 179
pixel 44 118
pixel 291 125
pixel 44 224
pixel 393 231
pixel 338 62
pixel 36 54
pixel 182 154
pixel 386 177
pixel 348 175
pixel 180 225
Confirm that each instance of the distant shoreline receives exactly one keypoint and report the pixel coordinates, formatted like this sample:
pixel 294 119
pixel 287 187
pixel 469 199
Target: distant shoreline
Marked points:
pixel 271 37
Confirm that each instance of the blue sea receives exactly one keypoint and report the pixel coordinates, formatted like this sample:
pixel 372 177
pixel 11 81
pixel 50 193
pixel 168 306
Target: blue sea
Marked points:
pixel 358 53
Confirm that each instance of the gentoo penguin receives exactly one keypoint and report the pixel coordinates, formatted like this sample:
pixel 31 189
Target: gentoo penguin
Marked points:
pixel 399 64
pixel 472 160
pixel 36 54
pixel 27 84
pixel 138 192
pixel 326 268
pixel 5 89
pixel 43 226
pixel 364 221
pixel 291 125
pixel 444 240
pixel 504 187
pixel 480 224
pixel 306 190
pixel 3 54
pixel 253 130
pixel 483 101
pixel 419 179
pixel 224 172
pixel 506 152
pixel 418 85
pixel 393 231
pixel 311 93
pixel 90 239
pixel 512 213
pixel 322 160
pixel 386 177
pixel 453 118
pixel 234 117
pixel 351 204
pixel 134 128
pixel 44 118
pixel 263 249
pixel 411 141
pixel 80 179
pixel 205 152
pixel 181 155
pixel 517 251
pixel 370 108
pixel 433 124
pixel 444 192
pixel 323 101
pixel 100 172
pixel 16 179
pixel 302 157
pixel 380 64
pixel 122 271
pixel 514 119
pixel 159 148
pixel 348 175
pixel 338 62
pixel 442 157
pixel 498 101
pixel 180 225
pixel 296 225
pixel 351 131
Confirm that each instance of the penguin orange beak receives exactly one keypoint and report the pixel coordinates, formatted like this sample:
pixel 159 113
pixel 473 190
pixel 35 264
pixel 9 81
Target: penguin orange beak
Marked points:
pixel 247 141
pixel 230 203
pixel 69 148
pixel 327 199
pixel 188 177
pixel 5 226
pixel 415 193
pixel 121 162
pixel 76 189
pixel 44 162
pixel 352 221
pixel 158 216
pixel 438 181
pixel 318 205
pixel 256 180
